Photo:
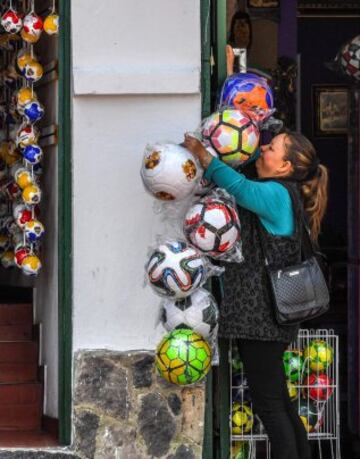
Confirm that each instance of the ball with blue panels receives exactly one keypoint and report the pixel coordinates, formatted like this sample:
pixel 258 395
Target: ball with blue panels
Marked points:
pixel 249 93
pixel 33 111
pixel 32 154
pixel 34 230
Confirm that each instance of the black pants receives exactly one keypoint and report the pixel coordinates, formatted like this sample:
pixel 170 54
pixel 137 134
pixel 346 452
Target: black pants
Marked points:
pixel 263 365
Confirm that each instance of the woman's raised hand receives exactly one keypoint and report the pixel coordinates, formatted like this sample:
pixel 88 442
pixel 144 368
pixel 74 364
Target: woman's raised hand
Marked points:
pixel 198 150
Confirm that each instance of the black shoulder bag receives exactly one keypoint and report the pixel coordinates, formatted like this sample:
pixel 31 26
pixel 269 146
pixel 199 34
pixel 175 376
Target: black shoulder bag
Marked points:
pixel 300 291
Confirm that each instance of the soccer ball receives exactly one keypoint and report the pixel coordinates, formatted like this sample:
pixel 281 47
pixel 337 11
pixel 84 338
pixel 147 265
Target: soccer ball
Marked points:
pixel 23 58
pixel 21 214
pixel 293 364
pixel 183 357
pixel 199 312
pixel 8 259
pixel 31 265
pixel 293 391
pixel 34 230
pixel 24 96
pixel 249 93
pixel 240 450
pixel 232 135
pixel 27 135
pixel 33 111
pixel 318 355
pixel 31 195
pixel 33 71
pixel 318 387
pixel 350 58
pixel 23 177
pixel 169 172
pixel 51 24
pixel 308 414
pixel 11 22
pixel 240 388
pixel 212 226
pixel 176 269
pixel 32 28
pixel 21 252
pixel 242 418
pixel 32 154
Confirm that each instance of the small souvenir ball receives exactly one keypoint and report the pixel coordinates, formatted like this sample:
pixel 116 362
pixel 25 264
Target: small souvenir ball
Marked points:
pixel 23 177
pixel 169 172
pixel 183 357
pixel 293 391
pixel 32 28
pixel 51 24
pixel 31 265
pixel 33 71
pixel 11 22
pixel 8 259
pixel 33 111
pixel 21 252
pixel 32 154
pixel 232 135
pixel 308 413
pixel 199 312
pixel 213 226
pixel 21 214
pixel 249 93
pixel 293 364
pixel 350 58
pixel 23 57
pixel 27 135
pixel 175 269
pixel 34 230
pixel 242 418
pixel 318 355
pixel 24 96
pixel 318 387
pixel 31 195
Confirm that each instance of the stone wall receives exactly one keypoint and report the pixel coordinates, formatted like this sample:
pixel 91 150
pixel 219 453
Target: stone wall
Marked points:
pixel 123 410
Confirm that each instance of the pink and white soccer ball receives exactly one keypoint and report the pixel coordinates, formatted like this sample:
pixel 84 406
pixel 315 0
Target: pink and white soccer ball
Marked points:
pixel 169 171
pixel 212 226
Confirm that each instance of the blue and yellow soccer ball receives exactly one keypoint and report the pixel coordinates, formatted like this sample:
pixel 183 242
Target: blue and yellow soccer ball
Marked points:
pixel 293 364
pixel 242 418
pixel 309 414
pixel 183 357
pixel 318 355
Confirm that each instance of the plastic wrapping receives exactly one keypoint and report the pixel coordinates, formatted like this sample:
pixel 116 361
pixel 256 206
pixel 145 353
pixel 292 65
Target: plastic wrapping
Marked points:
pixel 249 93
pixel 212 226
pixel 169 171
pixel 232 134
pixel 175 269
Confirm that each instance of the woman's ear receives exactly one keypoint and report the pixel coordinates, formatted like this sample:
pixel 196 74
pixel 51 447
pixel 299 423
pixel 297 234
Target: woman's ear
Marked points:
pixel 285 168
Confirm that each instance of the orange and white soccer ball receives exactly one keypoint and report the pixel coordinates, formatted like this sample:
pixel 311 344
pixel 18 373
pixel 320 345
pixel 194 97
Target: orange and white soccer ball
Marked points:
pixel 23 177
pixel 51 24
pixel 31 265
pixel 33 71
pixel 31 195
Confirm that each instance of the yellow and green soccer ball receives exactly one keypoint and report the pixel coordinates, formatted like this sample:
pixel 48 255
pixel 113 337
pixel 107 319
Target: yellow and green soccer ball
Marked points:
pixel 183 357
pixel 318 355
pixel 240 450
pixel 242 418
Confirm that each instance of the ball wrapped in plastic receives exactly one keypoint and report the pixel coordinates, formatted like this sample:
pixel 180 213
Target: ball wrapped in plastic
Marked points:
pixel 31 265
pixel 24 57
pixel 51 24
pixel 318 355
pixel 34 230
pixel 308 413
pixel 32 28
pixel 293 364
pixel 27 135
pixel 175 269
pixel 31 195
pixel 11 21
pixel 249 93
pixel 199 312
pixel 33 71
pixel 350 58
pixel 212 225
pixel 232 135
pixel 22 214
pixel 242 418
pixel 32 154
pixel 21 252
pixel 183 357
pixel 169 172
pixel 23 177
pixel 318 387
pixel 33 111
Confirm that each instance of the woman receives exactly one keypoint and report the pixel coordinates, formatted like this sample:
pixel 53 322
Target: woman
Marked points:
pixel 240 36
pixel 290 180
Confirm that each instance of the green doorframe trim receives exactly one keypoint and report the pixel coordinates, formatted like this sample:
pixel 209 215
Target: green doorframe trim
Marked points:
pixel 221 39
pixel 65 228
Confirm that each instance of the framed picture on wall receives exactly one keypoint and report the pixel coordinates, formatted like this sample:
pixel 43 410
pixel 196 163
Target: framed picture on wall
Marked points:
pixel 263 3
pixel 331 110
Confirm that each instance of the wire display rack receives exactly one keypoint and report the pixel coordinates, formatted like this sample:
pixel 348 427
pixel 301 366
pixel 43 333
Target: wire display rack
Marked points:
pixel 313 383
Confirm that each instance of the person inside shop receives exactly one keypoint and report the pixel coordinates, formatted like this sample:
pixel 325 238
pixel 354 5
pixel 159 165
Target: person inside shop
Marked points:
pixel 240 37
pixel 290 180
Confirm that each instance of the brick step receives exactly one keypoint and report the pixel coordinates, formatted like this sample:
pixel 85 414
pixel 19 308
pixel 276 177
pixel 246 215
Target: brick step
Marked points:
pixel 16 332
pixel 12 314
pixel 18 351
pixel 20 416
pixel 18 372
pixel 23 393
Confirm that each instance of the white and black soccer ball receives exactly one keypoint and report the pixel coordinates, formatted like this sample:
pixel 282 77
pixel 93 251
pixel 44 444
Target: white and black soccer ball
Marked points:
pixel 212 225
pixel 175 269
pixel 199 311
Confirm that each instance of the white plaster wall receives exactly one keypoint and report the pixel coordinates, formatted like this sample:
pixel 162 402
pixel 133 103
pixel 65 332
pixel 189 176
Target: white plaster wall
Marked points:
pixel 153 49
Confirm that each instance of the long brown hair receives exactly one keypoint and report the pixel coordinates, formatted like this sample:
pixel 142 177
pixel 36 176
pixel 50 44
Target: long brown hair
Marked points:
pixel 312 175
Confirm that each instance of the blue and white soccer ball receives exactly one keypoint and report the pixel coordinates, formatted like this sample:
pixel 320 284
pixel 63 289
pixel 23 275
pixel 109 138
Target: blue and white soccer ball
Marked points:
pixel 199 312
pixel 32 154
pixel 33 111
pixel 175 269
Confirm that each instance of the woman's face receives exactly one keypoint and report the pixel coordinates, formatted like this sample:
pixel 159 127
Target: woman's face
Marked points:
pixel 272 162
pixel 241 33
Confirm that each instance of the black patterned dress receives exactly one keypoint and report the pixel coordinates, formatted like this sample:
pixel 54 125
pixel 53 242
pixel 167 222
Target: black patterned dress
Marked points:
pixel 246 310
